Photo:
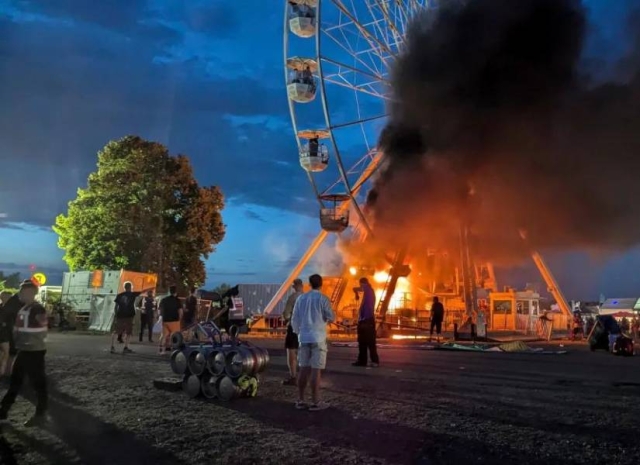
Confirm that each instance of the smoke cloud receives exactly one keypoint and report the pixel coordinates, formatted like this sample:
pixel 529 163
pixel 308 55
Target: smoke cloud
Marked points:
pixel 492 124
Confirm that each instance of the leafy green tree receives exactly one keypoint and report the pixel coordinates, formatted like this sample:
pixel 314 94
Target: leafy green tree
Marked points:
pixel 9 281
pixel 144 211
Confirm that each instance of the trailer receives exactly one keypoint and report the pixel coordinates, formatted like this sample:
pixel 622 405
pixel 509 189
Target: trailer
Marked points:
pixel 91 294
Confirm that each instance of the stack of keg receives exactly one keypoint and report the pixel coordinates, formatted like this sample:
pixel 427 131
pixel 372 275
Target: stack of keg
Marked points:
pixel 224 371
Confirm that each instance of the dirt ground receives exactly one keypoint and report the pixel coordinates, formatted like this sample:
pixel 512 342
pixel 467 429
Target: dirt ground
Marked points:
pixel 423 407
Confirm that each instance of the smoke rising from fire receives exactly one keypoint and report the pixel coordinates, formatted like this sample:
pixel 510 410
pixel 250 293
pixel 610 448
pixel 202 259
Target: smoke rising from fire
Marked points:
pixel 492 123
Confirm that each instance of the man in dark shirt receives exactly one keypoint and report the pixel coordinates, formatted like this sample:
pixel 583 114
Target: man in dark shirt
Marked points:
pixel 6 331
pixel 291 343
pixel 171 313
pixel 366 325
pixel 10 311
pixel 437 317
pixel 125 311
pixel 147 315
pixel 191 309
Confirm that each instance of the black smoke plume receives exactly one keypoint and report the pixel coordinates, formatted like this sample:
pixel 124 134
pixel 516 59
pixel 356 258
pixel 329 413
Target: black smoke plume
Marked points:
pixel 491 123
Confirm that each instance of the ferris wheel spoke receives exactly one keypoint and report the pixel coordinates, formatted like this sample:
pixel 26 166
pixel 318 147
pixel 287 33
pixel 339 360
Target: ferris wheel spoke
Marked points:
pixel 375 43
pixel 353 123
pixel 348 37
pixel 376 23
pixel 352 53
pixel 376 77
pixel 383 23
pixel 363 169
pixel 339 80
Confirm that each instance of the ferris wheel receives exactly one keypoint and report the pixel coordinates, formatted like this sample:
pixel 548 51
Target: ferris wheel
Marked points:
pixel 338 55
pixel 337 59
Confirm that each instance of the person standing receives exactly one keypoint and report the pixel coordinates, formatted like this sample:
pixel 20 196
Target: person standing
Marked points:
pixel 311 314
pixel 437 317
pixel 30 336
pixel 171 313
pixel 366 325
pixel 291 343
pixel 6 330
pixel 10 310
pixel 125 311
pixel 147 315
pixel 191 309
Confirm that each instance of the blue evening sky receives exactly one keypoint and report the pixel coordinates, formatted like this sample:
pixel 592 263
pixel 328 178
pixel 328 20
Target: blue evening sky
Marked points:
pixel 206 79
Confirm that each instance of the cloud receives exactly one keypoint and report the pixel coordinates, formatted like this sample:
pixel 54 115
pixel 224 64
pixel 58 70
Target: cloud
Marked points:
pixel 250 214
pixel 68 89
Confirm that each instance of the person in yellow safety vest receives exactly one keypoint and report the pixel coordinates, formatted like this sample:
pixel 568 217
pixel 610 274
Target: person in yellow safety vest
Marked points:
pixel 30 336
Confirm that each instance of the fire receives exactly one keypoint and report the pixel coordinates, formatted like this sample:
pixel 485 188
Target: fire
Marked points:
pixel 401 297
pixel 381 277
pixel 399 337
pixel 353 270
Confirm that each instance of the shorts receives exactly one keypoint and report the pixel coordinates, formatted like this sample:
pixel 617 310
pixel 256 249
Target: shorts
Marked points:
pixel 168 328
pixel 313 355
pixel 124 325
pixel 291 340
pixel 437 325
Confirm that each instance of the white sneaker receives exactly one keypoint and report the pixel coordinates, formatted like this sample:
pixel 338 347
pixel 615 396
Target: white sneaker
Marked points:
pixel 319 406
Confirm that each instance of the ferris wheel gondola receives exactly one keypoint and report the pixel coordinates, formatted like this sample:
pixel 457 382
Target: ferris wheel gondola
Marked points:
pixel 337 57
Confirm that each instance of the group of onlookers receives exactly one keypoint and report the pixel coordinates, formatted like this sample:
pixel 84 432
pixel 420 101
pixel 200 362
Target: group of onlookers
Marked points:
pixel 169 314
pixel 307 316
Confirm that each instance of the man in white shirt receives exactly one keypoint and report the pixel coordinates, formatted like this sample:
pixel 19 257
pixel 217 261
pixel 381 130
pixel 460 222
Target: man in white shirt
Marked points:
pixel 311 314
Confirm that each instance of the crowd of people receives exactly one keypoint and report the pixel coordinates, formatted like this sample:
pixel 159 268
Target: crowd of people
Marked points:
pixel 169 315
pixel 24 325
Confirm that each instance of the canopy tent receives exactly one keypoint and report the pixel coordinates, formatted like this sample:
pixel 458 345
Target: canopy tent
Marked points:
pixel 628 306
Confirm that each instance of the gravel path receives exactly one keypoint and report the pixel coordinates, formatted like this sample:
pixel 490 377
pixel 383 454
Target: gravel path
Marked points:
pixel 424 407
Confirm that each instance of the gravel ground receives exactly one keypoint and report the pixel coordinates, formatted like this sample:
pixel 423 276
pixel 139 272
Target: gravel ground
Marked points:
pixel 424 407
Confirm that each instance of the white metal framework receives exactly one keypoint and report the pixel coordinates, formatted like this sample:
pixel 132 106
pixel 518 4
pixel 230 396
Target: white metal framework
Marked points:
pixel 337 56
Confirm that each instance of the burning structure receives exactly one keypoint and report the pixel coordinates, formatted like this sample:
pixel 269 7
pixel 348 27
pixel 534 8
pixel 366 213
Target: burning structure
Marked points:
pixel 498 144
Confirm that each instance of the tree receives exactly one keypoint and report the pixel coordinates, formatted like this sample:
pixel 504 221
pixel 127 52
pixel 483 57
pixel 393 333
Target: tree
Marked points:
pixel 222 288
pixel 9 281
pixel 144 211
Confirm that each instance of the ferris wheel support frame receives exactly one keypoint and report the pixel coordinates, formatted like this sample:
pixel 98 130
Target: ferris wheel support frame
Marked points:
pixel 320 238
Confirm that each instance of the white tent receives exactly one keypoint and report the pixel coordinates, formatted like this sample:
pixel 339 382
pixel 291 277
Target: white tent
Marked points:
pixel 627 304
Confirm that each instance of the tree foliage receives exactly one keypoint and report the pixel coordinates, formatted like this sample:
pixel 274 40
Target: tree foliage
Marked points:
pixel 143 210
pixel 9 281
pixel 222 288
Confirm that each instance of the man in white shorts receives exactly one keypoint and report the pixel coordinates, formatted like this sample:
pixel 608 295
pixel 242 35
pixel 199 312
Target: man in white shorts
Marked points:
pixel 311 314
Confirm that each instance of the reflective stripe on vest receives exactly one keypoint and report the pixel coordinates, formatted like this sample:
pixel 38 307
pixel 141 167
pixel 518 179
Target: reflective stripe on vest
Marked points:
pixel 22 325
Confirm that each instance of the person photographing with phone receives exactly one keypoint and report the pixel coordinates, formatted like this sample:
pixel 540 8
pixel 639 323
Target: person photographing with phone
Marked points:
pixel 366 325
